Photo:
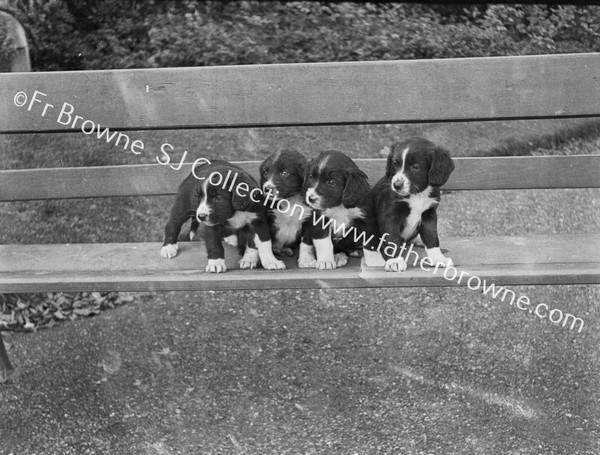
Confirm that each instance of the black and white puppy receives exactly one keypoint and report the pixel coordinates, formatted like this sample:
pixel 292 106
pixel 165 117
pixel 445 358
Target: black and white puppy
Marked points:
pixel 228 201
pixel 338 191
pixel 405 201
pixel 281 179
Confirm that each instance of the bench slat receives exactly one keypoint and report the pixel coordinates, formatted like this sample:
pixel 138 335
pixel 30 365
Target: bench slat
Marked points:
pixel 468 89
pixel 537 259
pixel 471 174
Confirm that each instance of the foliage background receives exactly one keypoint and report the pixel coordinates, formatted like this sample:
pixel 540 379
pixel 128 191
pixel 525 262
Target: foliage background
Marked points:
pixel 101 34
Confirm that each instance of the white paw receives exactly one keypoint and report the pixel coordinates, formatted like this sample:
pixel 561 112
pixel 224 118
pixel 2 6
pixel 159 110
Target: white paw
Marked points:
pixel 417 241
pixel 306 257
pixel 307 262
pixel 247 265
pixel 356 253
pixel 436 256
pixel 395 265
pixel 373 258
pixel 340 259
pixel 216 266
pixel 169 251
pixel 324 254
pixel 250 259
pixel 192 235
pixel 273 264
pixel 325 265
pixel 231 240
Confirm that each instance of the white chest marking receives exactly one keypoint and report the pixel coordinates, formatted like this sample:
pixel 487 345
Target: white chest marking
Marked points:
pixel 341 214
pixel 289 222
pixel 241 219
pixel 418 203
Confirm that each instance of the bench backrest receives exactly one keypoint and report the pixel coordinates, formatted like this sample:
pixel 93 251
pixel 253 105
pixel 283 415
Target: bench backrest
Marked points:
pixel 477 89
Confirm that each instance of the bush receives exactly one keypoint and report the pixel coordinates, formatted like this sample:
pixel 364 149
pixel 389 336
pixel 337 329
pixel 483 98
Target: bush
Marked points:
pixel 7 46
pixel 93 34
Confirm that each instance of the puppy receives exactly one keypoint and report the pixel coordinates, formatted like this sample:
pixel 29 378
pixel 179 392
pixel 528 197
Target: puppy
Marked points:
pixel 281 179
pixel 228 201
pixel 406 199
pixel 338 192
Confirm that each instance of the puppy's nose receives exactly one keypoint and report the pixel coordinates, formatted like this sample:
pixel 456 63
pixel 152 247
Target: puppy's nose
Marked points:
pixel 312 199
pixel 268 186
pixel 398 185
pixel 201 216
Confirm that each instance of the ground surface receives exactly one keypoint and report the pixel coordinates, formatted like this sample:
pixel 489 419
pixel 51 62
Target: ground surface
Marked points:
pixel 306 372
pixel 405 371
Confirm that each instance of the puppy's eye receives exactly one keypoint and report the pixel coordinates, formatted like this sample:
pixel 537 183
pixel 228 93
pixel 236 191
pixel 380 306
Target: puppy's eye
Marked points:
pixel 285 173
pixel 415 167
pixel 218 198
pixel 265 171
pixel 331 182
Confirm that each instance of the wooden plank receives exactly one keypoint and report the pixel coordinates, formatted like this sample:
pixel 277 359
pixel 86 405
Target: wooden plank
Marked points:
pixel 581 171
pixel 464 89
pixel 538 259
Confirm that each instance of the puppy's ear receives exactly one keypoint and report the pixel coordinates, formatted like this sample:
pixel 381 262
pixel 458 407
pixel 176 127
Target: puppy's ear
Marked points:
pixel 389 168
pixel 440 166
pixel 357 187
pixel 301 164
pixel 261 168
pixel 243 202
pixel 307 171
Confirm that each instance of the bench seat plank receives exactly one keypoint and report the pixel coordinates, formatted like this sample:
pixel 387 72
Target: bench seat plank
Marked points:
pixel 575 171
pixel 536 259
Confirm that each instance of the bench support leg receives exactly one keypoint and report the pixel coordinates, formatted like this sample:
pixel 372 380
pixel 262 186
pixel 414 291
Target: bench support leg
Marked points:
pixel 5 366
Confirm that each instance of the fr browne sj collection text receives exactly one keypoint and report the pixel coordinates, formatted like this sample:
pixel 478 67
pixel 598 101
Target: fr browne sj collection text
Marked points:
pixel 65 115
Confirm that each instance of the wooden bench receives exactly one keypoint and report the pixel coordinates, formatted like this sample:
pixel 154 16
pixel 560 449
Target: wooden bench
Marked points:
pixel 502 88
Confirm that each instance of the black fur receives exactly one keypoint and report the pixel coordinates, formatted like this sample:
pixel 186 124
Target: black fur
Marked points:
pixel 427 167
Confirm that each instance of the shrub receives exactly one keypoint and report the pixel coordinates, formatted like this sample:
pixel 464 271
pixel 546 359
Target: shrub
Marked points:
pixel 7 45
pixel 94 34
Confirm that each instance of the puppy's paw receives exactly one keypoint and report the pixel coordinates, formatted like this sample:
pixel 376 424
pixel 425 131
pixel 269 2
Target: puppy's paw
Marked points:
pixel 417 241
pixel 244 265
pixel 282 251
pixel 437 257
pixel 307 263
pixel 250 259
pixel 325 265
pixel 169 251
pixel 356 253
pixel 306 257
pixel 373 258
pixel 216 266
pixel 273 264
pixel 395 265
pixel 231 240
pixel 340 259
